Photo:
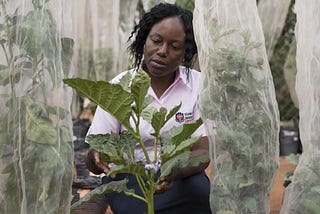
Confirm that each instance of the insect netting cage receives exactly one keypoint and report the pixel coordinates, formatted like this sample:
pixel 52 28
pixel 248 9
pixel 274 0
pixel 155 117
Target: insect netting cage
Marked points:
pixel 35 138
pixel 238 105
pixel 303 194
pixel 272 25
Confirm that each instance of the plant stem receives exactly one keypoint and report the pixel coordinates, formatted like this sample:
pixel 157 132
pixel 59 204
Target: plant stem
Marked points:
pixel 151 193
pixel 137 196
pixel 143 146
pixel 156 149
pixel 150 205
pixel 141 184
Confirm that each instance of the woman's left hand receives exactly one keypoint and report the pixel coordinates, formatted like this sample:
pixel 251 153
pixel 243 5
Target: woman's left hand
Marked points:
pixel 164 184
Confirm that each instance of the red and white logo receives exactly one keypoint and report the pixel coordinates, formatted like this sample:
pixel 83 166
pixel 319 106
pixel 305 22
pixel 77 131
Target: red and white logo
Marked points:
pixel 179 117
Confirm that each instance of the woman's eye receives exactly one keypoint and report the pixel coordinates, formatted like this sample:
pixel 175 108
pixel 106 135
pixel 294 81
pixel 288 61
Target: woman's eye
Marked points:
pixel 156 41
pixel 175 47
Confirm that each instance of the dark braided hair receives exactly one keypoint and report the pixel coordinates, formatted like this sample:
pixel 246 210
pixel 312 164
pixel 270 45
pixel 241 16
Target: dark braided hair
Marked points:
pixel 156 14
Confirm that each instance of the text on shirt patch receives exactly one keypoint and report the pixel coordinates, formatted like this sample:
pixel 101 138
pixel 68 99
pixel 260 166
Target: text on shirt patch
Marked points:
pixel 184 117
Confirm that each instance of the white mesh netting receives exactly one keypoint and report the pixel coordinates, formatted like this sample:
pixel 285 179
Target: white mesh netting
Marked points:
pixel 35 125
pixel 272 24
pixel 303 194
pixel 238 105
pixel 101 32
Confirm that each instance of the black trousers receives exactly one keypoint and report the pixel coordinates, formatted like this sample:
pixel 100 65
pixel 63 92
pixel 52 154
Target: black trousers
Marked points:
pixel 188 195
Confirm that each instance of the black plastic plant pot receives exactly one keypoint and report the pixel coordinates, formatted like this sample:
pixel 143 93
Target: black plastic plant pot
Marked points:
pixel 289 141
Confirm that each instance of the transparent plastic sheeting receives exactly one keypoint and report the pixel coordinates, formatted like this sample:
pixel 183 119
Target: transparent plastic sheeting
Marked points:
pixel 238 105
pixel 273 15
pixel 303 194
pixel 36 150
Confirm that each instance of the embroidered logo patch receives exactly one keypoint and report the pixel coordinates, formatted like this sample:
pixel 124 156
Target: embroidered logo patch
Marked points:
pixel 188 117
pixel 179 117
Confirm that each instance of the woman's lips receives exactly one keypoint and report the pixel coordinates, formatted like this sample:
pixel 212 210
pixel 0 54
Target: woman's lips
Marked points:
pixel 157 64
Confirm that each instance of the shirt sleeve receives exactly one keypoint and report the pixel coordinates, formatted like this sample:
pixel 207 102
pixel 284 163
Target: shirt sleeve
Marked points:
pixel 196 83
pixel 103 123
pixel 201 130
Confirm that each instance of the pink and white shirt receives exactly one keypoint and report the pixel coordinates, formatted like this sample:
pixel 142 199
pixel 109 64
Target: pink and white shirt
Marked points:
pixel 184 89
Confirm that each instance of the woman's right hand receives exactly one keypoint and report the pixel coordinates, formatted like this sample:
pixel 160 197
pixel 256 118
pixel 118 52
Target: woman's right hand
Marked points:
pixel 94 164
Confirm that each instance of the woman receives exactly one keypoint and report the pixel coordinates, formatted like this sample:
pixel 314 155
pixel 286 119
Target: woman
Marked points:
pixel 164 40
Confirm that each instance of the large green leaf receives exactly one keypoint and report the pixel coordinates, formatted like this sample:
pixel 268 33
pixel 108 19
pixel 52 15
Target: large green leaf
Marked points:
pixel 66 54
pixel 173 111
pixel 133 168
pixel 170 152
pixel 36 33
pixel 188 129
pixel 139 88
pixel 108 147
pixel 177 162
pixel 147 101
pixel 65 135
pixel 114 186
pixel 158 120
pixel 147 113
pixel 6 75
pixel 61 113
pixel 166 138
pixel 110 97
pixel 182 160
pixel 127 144
pixel 125 81
pixel 180 133
pixel 114 148
pixel 40 129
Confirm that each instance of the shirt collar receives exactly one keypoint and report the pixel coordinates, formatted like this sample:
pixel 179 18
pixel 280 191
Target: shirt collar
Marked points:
pixel 182 75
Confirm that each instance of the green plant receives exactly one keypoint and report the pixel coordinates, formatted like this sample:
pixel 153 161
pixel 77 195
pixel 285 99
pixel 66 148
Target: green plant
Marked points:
pixel 126 103
pixel 235 96
pixel 35 142
pixel 294 159
pixel 302 194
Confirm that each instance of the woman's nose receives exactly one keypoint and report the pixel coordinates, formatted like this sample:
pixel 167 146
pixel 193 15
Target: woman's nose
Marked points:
pixel 162 51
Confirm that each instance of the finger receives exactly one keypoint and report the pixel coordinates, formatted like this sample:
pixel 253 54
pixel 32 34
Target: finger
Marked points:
pixel 168 178
pixel 162 178
pixel 163 187
pixel 100 164
pixel 103 166
pixel 97 157
pixel 113 175
pixel 159 190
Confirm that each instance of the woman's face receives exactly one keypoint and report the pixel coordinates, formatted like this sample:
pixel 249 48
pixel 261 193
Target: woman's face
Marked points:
pixel 165 47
